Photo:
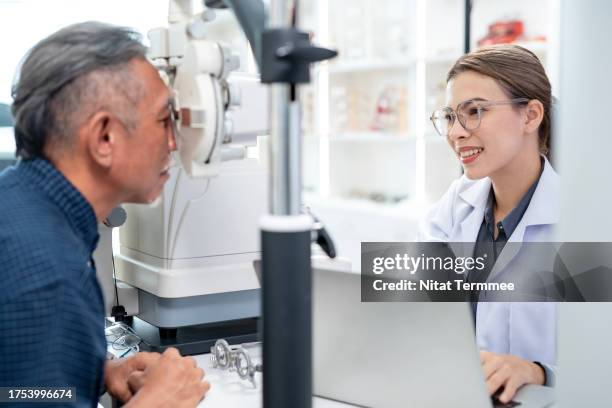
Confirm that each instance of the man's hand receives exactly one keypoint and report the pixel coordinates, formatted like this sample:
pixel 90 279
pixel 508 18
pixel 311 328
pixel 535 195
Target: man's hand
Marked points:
pixel 509 372
pixel 136 380
pixel 174 381
pixel 117 373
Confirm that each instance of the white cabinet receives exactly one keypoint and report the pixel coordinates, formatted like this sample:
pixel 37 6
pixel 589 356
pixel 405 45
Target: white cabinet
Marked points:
pixel 372 133
pixel 375 140
pixel 371 136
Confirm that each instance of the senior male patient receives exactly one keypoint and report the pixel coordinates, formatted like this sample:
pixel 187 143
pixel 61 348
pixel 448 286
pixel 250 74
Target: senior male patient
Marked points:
pixel 92 130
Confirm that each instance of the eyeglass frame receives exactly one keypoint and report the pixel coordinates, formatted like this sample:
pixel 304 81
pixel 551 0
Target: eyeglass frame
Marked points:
pixel 455 116
pixel 120 333
pixel 226 356
pixel 174 116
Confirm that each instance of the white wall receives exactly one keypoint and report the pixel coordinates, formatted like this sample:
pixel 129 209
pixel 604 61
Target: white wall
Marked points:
pixel 25 22
pixel 585 330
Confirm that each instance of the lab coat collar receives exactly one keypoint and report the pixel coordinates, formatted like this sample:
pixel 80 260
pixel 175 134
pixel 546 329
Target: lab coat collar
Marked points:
pixel 476 196
pixel 543 207
pixel 543 210
pixel 477 193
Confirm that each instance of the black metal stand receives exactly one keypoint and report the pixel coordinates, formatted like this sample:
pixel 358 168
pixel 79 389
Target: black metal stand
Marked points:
pixel 287 354
pixel 192 340
pixel 284 55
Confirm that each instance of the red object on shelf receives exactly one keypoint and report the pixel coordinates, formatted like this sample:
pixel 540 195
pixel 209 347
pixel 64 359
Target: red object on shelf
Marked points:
pixel 503 32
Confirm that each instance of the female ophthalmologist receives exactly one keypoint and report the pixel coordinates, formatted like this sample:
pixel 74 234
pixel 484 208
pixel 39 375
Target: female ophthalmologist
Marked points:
pixel 498 123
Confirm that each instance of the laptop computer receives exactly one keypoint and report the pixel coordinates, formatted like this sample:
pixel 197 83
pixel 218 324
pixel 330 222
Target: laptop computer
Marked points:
pixel 389 355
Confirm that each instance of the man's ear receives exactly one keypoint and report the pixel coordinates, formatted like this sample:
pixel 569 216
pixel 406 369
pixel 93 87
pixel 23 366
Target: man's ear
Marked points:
pixel 100 133
pixel 534 115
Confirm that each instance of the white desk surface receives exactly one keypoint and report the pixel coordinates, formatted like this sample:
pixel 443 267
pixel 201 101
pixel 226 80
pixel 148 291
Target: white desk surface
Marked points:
pixel 229 391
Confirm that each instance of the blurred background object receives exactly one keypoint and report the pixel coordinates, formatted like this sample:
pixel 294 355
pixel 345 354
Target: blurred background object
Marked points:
pixel 502 32
pixel 6 119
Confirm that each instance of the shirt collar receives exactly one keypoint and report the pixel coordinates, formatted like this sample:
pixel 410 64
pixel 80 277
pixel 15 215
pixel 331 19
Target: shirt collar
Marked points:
pixel 514 217
pixel 46 178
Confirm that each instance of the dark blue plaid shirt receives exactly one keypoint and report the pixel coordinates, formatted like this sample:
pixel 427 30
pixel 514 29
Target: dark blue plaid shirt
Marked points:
pixel 51 305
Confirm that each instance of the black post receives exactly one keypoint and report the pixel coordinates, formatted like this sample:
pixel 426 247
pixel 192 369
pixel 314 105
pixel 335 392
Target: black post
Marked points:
pixel 287 350
pixel 284 60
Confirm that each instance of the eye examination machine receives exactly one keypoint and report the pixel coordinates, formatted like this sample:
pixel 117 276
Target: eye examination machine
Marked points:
pixel 189 256
pixel 207 259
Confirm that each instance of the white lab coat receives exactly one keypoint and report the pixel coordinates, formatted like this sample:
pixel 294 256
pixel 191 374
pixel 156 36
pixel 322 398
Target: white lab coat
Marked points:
pixel 527 330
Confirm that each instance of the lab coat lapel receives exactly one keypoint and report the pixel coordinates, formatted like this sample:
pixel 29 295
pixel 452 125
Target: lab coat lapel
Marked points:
pixel 475 196
pixel 542 210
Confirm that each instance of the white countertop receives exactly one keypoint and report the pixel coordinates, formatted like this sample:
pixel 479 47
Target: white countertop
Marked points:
pixel 229 391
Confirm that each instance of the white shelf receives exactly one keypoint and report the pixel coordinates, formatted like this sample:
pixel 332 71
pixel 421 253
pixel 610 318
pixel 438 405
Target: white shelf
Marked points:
pixel 405 209
pixel 376 137
pixel 534 46
pixel 448 58
pixel 367 66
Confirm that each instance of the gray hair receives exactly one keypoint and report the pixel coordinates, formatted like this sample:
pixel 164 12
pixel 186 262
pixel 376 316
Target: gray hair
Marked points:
pixel 69 76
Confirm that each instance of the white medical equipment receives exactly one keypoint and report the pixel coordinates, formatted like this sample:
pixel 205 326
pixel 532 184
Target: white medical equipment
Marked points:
pixel 188 259
pixel 183 280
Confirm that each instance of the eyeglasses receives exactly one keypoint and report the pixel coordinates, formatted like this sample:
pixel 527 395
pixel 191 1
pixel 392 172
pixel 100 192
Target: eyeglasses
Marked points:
pixel 235 358
pixel 122 339
pixel 469 114
pixel 175 116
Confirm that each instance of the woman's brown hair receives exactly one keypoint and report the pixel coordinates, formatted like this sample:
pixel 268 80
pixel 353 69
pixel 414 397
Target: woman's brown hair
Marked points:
pixel 520 74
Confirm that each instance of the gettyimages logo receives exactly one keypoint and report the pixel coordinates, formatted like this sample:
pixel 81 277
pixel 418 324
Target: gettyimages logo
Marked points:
pixel 412 264
pixel 460 271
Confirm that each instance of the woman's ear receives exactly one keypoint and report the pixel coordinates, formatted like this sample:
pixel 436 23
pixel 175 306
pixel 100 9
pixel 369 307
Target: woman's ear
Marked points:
pixel 534 115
